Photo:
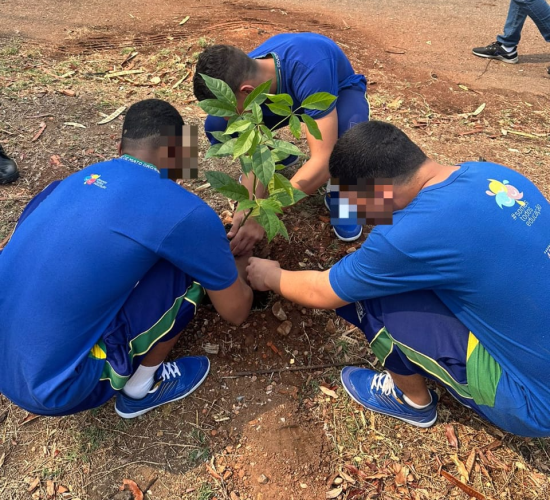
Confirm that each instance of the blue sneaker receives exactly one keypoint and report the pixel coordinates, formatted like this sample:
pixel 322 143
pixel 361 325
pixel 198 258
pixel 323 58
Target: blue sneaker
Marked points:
pixel 290 161
pixel 174 381
pixel 344 232
pixel 377 392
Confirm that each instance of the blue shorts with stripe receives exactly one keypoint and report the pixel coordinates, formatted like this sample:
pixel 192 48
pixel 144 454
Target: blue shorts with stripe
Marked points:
pixel 159 307
pixel 415 333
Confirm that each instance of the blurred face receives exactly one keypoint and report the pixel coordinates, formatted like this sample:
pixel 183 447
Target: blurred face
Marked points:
pixel 178 152
pixel 365 201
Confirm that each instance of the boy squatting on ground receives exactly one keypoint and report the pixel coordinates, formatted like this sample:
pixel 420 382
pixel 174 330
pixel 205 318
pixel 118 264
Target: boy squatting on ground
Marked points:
pixel 104 271
pixel 298 64
pixel 456 290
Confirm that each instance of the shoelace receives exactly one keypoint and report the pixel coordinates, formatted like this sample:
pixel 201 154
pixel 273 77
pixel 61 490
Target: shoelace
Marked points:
pixel 169 370
pixel 384 383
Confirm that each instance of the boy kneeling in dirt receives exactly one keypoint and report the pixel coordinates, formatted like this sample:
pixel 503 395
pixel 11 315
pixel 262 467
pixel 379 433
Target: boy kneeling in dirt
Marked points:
pixel 455 290
pixel 103 272
pixel 298 64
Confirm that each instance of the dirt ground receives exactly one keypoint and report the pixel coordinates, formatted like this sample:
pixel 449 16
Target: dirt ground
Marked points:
pixel 274 432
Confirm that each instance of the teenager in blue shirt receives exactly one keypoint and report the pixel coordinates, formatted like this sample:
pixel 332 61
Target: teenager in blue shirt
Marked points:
pixel 298 64
pixel 455 290
pixel 104 271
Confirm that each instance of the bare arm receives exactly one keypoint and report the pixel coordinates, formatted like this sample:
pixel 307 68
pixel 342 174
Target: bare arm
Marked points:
pixel 314 173
pixel 234 302
pixel 307 288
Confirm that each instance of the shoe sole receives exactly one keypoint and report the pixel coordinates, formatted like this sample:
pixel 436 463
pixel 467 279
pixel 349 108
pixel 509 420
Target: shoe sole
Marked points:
pixel 498 58
pixel 142 412
pixel 351 238
pixel 424 425
pixel 12 178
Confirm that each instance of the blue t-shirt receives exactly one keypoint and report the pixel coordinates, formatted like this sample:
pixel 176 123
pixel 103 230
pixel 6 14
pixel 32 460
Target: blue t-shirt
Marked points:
pixel 73 262
pixel 307 63
pixel 481 241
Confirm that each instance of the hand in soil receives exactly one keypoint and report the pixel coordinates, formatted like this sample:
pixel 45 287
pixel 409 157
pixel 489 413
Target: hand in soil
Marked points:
pixel 246 237
pixel 257 271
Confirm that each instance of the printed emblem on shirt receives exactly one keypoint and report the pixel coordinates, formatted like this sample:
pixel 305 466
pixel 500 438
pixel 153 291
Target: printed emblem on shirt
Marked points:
pixel 507 195
pixel 95 180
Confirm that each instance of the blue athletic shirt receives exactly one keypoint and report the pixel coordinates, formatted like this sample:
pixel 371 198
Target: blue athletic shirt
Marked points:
pixel 307 63
pixel 481 241
pixel 73 262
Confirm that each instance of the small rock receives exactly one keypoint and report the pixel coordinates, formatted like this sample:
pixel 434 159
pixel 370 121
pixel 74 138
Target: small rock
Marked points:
pixel 337 481
pixel 240 399
pixel 330 327
pixel 278 312
pixel 351 250
pixel 262 479
pixel 234 496
pixel 304 311
pixel 284 328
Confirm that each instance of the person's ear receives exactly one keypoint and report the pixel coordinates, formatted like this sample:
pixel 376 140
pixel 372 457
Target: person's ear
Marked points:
pixel 246 88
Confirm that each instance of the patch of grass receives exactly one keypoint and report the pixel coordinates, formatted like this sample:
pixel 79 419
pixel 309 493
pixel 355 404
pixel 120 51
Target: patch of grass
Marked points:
pixel 202 452
pixel 205 492
pixel 91 439
pixel 11 48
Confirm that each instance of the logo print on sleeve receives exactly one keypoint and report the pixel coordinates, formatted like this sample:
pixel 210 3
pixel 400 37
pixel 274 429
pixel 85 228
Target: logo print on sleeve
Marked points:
pixel 95 180
pixel 505 194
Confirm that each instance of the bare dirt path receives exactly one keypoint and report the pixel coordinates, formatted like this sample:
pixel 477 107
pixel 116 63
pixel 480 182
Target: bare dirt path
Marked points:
pixel 427 35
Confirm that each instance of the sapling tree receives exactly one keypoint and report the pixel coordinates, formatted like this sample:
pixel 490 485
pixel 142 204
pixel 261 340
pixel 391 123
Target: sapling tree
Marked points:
pixel 258 148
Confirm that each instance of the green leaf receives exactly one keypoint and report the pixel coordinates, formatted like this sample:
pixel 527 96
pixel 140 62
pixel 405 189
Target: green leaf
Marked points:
pixel 282 230
pixel 244 143
pixel 312 126
pixel 246 164
pixel 257 95
pixel 263 164
pixel 266 132
pixel 220 89
pixel 246 205
pixel 255 142
pixel 238 126
pixel 257 115
pixel 213 151
pixel 220 136
pixel 280 98
pixel 279 108
pixel 295 127
pixel 227 186
pixel 227 147
pixel 279 155
pixel 298 195
pixel 320 100
pixel 270 222
pixel 287 147
pixel 218 108
pixel 271 204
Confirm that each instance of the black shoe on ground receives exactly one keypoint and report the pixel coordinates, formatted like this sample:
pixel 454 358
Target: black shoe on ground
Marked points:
pixel 8 168
pixel 497 51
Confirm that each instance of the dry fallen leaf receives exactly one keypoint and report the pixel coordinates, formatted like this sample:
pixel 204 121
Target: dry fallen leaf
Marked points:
pixel 401 476
pixel 33 485
pixel 128 484
pixel 451 436
pixel 112 116
pixel 464 475
pixel 50 489
pixel 39 133
pixel 334 493
pixel 470 461
pixel 464 487
pixel 328 392
pixel 29 418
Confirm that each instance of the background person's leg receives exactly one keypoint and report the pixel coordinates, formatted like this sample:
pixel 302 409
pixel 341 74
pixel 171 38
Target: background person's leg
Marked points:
pixel 539 12
pixel 513 25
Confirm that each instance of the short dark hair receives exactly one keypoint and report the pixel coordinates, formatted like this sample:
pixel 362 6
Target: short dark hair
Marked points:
pixel 375 150
pixel 223 62
pixel 145 123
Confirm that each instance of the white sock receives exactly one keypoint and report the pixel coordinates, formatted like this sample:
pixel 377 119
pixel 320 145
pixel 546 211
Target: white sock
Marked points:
pixel 140 382
pixel 509 48
pixel 414 405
